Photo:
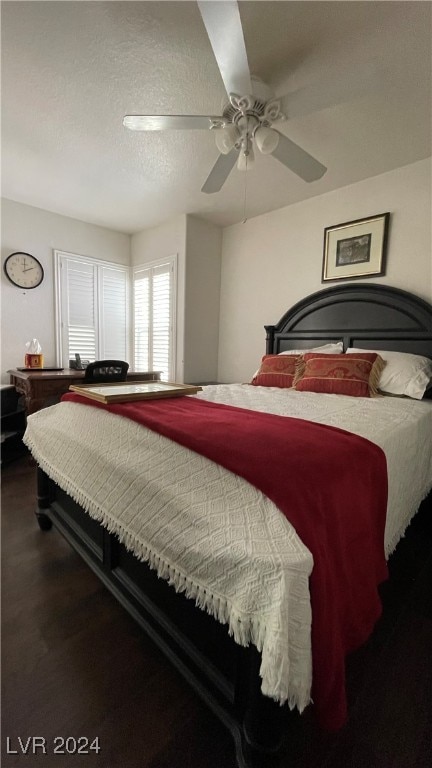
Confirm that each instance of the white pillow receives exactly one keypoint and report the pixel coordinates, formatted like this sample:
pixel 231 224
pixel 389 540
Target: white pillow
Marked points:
pixel 403 374
pixel 335 348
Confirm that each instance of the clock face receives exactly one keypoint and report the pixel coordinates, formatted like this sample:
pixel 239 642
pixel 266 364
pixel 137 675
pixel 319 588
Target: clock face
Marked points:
pixel 24 270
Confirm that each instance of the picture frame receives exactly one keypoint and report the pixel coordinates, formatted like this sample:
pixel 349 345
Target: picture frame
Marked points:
pixel 356 249
pixel 125 392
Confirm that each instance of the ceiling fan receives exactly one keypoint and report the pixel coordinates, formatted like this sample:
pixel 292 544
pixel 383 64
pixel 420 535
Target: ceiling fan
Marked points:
pixel 248 115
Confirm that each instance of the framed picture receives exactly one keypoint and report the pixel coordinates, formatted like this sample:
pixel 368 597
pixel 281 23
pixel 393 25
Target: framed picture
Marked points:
pixel 355 248
pixel 137 390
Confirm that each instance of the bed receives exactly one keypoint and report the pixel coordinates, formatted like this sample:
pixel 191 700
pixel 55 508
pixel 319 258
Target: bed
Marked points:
pixel 225 673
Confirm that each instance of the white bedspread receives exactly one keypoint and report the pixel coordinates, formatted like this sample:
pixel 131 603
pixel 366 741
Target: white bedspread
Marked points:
pixel 210 533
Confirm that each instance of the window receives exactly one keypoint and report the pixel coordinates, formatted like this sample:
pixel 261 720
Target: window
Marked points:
pixel 154 312
pixel 91 309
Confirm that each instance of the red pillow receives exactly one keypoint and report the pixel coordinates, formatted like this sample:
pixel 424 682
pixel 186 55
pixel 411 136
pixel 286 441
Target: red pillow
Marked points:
pixel 337 375
pixel 276 371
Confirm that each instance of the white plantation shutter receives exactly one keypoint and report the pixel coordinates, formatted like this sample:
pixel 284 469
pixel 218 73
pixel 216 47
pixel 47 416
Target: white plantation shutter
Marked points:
pixel 91 309
pixel 81 316
pixel 113 304
pixel 142 320
pixel 161 320
pixel 154 295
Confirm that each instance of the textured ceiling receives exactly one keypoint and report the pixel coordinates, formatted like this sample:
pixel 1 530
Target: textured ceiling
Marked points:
pixel 359 72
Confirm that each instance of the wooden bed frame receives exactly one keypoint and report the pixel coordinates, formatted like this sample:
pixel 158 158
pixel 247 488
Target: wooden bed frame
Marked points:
pixel 223 673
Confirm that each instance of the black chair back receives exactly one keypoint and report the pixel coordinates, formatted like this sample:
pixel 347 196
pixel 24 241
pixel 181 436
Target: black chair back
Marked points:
pixel 106 371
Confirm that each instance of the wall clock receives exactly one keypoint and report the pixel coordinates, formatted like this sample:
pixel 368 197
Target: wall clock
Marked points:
pixel 23 270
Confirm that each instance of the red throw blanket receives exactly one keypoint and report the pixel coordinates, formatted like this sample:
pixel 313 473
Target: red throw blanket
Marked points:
pixel 332 487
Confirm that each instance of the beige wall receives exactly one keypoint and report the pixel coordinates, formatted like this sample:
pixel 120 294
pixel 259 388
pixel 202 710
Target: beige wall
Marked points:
pixel 268 264
pixel 272 261
pixel 159 242
pixel 202 298
pixel 29 314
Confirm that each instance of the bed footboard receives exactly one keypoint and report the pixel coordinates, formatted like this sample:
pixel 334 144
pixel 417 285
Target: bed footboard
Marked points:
pixel 223 673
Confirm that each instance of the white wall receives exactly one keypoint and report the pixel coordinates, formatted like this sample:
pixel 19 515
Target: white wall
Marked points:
pixel 202 299
pixel 160 242
pixel 29 314
pixel 274 260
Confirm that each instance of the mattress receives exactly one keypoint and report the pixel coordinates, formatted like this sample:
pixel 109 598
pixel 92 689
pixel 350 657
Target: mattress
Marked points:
pixel 211 534
pixel 400 426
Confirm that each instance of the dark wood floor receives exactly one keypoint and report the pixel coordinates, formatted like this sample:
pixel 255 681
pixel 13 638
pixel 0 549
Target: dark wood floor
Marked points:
pixel 68 649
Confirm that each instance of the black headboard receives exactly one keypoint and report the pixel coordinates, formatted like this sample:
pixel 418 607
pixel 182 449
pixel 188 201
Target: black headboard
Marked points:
pixel 371 316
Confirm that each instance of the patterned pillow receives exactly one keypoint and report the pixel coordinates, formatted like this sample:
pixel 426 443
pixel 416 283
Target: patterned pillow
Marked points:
pixel 356 375
pixel 276 371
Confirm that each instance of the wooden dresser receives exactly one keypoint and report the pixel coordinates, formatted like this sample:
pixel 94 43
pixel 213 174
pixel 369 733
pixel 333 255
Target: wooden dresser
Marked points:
pixel 41 388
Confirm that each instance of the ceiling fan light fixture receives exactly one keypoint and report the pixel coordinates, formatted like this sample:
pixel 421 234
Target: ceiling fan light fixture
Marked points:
pixel 226 138
pixel 266 139
pixel 246 158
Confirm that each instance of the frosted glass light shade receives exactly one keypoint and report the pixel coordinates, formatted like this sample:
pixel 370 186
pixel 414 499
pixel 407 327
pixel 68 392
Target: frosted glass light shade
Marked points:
pixel 245 162
pixel 266 139
pixel 226 138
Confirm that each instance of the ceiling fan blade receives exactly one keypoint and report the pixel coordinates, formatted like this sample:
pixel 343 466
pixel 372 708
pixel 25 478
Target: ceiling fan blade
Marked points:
pixel 220 172
pixel 224 28
pixel 169 122
pixel 298 160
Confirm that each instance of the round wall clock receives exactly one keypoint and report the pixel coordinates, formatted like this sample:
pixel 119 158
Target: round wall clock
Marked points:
pixel 23 270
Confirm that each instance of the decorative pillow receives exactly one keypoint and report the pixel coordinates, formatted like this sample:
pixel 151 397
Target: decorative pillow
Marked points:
pixel 335 348
pixel 276 371
pixel 404 373
pixel 356 375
